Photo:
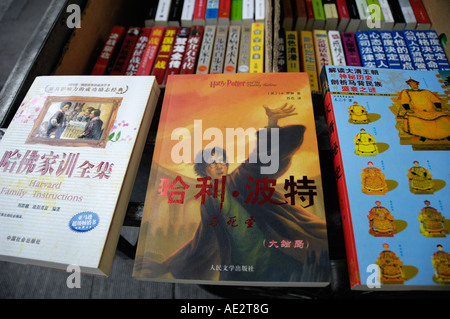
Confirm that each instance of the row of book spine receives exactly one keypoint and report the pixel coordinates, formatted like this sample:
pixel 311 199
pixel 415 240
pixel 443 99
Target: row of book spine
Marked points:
pixel 164 51
pixel 310 51
pixel 187 13
pixel 354 15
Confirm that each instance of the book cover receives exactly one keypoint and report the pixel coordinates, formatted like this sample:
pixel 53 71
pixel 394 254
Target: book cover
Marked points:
pixel 408 14
pixel 176 9
pixel 206 49
pixel 402 50
pixel 376 14
pixel 257 48
pixel 361 5
pixel 292 51
pixel 427 50
pixel 194 43
pixel 344 16
pixel 248 12
pixel 365 49
pixel 308 64
pixel 331 16
pixel 236 12
pixel 355 20
pixel 351 49
pixel 68 163
pixel 162 13
pixel 244 49
pixel 215 212
pixel 390 50
pixel 136 56
pixel 319 15
pixel 302 15
pixel 126 50
pixel 287 15
pixel 414 50
pixel 199 12
pixel 177 52
pixel 321 49
pixel 260 10
pixel 310 12
pixel 336 48
pixel 281 56
pixel 377 48
pixel 162 58
pixel 187 15
pixel 218 52
pixel 397 13
pixel 109 52
pixel 439 53
pixel 387 15
pixel 392 184
pixel 232 51
pixel 224 12
pixel 212 12
pixel 149 20
pixel 421 15
pixel 151 50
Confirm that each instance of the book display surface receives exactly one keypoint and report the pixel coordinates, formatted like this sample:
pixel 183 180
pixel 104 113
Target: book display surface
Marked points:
pixel 390 137
pixel 219 209
pixel 68 163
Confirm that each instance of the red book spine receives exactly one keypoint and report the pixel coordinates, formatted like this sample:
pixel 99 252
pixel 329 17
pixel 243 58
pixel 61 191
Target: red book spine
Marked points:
pixel 224 9
pixel 107 55
pixel 162 58
pixel 420 12
pixel 177 52
pixel 126 50
pixel 309 9
pixel 139 49
pixel 149 55
pixel 199 10
pixel 192 49
pixel 342 9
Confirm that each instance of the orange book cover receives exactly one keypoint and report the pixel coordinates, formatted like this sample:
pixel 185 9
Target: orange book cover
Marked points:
pixel 235 190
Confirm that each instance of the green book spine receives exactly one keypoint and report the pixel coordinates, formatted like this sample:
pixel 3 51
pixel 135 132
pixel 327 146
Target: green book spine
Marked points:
pixel 236 10
pixel 319 13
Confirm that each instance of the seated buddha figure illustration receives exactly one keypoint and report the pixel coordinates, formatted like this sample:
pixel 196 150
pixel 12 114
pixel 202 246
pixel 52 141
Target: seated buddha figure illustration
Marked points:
pixel 365 144
pixel 441 266
pixel 420 180
pixel 391 267
pixel 431 221
pixel 372 181
pixel 358 114
pixel 381 221
pixel 423 115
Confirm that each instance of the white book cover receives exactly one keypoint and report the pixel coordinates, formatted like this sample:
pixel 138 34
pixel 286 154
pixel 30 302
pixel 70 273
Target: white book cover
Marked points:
pixel 408 14
pixel 363 14
pixel 387 15
pixel 248 11
pixel 188 13
pixel 68 163
pixel 260 10
pixel 162 13
pixel 336 48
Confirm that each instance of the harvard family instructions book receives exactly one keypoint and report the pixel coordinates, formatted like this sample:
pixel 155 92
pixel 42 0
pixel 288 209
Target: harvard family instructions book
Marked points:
pixel 235 191
pixel 68 162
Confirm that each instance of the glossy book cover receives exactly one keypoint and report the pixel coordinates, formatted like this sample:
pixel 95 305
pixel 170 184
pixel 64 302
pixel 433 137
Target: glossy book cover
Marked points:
pixel 235 191
pixel 390 136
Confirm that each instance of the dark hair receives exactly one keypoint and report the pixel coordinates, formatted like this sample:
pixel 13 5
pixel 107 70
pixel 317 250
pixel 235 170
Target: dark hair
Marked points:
pixel 97 112
pixel 65 103
pixel 203 158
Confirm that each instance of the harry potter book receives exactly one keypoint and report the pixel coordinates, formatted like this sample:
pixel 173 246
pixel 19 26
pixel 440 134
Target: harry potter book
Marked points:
pixel 390 138
pixel 235 193
pixel 68 163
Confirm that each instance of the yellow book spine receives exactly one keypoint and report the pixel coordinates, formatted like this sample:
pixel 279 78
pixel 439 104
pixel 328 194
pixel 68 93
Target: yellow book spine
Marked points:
pixel 257 48
pixel 292 52
pixel 322 49
pixel 308 59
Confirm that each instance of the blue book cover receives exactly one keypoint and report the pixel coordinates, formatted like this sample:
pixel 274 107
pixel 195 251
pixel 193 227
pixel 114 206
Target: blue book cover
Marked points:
pixel 365 49
pixel 212 9
pixel 427 50
pixel 390 137
pixel 402 50
pixel 414 50
pixel 390 50
pixel 377 49
pixel 439 52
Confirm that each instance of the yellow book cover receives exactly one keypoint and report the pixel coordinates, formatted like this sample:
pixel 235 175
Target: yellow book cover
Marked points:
pixel 308 59
pixel 235 191
pixel 292 51
pixel 257 48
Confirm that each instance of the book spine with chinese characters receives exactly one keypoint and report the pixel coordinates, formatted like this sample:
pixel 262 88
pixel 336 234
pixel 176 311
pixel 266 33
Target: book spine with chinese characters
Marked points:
pixel 322 49
pixel 109 51
pixel 218 54
pixel 378 49
pixel 224 12
pixel 192 50
pixel 402 50
pixel 204 57
pixel 308 64
pixel 408 14
pixel 438 50
pixel 126 50
pixel 365 49
pixel 257 48
pixel 162 13
pixel 281 57
pixel 136 57
pixel 427 50
pixel 319 15
pixel 387 15
pixel 336 48
pixel 244 49
pixel 260 10
pixel 414 50
pixel 199 12
pixel 149 55
pixel 162 58
pixel 390 50
pixel 351 49
pixel 292 51
pixel 212 12
pixel 236 12
pixel 177 53
pixel 248 12
pixel 232 51
pixel 423 20
pixel 187 13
